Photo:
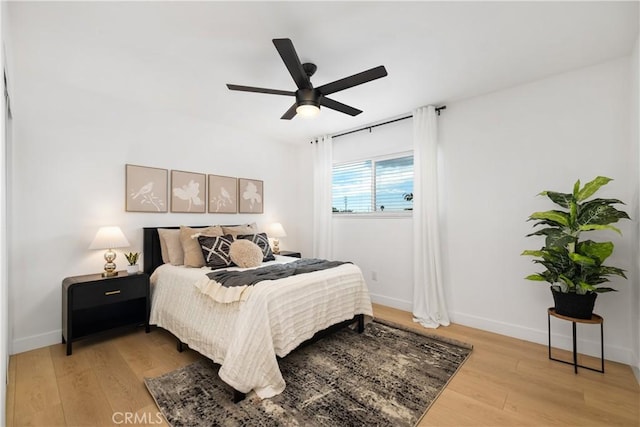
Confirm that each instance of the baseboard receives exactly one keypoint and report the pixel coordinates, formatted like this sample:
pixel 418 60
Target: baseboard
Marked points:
pixel 636 372
pixel 589 347
pixel 32 342
pixel 392 302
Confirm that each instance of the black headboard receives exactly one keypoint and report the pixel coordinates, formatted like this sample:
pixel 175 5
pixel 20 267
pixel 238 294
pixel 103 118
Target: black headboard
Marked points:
pixel 151 253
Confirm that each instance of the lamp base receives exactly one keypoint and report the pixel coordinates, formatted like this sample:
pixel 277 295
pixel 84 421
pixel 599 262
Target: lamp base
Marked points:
pixel 110 266
pixel 276 246
pixel 109 273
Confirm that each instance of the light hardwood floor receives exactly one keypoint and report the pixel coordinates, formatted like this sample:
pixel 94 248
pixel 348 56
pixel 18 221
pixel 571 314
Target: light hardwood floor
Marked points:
pixel 505 382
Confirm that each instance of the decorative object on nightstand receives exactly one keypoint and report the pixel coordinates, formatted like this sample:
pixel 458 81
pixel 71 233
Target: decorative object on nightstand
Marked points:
pixel 275 231
pixel 132 258
pixel 92 304
pixel 109 238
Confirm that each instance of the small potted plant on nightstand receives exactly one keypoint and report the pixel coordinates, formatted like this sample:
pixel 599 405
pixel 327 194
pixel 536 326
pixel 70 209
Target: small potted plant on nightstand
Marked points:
pixel 575 268
pixel 132 257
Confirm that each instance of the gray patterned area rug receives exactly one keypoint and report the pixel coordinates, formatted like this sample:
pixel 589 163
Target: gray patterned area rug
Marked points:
pixel 386 376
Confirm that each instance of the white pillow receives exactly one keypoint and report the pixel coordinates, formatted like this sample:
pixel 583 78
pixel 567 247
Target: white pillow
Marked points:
pixel 241 229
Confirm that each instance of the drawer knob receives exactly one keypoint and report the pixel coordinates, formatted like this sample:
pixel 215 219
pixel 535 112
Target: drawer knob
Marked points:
pixel 112 292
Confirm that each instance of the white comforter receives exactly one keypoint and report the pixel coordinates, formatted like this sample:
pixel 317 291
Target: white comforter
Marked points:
pixel 245 337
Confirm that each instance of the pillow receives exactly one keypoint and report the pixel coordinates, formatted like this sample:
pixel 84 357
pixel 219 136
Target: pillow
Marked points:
pixel 262 241
pixel 190 246
pixel 244 253
pixel 241 229
pixel 215 250
pixel 173 248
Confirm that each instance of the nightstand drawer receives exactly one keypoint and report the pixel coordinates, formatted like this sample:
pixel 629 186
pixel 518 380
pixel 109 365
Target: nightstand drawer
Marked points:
pixel 107 292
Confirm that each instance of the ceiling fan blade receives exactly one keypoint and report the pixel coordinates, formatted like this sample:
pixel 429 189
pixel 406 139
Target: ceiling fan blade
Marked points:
pixel 290 58
pixel 291 112
pixel 339 106
pixel 260 90
pixel 351 81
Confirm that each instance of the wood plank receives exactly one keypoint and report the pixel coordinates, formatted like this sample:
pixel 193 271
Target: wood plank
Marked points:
pixel 11 390
pixel 140 351
pixel 37 401
pixel 124 391
pixel 456 409
pixel 83 400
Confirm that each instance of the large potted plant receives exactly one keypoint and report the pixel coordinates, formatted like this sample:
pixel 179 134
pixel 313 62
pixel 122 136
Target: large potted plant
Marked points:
pixel 574 267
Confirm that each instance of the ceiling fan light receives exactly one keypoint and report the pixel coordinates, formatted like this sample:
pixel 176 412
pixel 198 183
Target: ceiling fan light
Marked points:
pixel 308 110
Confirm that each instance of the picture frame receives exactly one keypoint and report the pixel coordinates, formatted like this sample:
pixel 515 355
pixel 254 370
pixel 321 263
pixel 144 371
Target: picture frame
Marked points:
pixel 188 192
pixel 222 194
pixel 250 196
pixel 146 189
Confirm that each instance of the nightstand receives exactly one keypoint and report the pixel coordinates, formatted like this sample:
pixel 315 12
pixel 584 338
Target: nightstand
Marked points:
pixel 291 254
pixel 92 304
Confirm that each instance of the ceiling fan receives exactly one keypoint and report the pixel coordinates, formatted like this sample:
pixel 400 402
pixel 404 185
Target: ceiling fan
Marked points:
pixel 308 98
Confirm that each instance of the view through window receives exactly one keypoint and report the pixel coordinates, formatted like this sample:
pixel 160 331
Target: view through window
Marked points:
pixel 373 185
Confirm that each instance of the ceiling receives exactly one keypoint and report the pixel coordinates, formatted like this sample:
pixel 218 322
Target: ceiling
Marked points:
pixel 178 56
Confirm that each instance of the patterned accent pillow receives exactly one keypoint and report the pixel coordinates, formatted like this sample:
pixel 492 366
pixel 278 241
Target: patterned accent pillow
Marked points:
pixel 261 240
pixel 244 253
pixel 215 250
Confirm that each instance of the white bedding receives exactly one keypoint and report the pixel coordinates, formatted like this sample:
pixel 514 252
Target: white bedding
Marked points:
pixel 245 337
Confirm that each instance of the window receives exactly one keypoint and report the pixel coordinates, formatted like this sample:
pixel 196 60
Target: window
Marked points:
pixel 373 185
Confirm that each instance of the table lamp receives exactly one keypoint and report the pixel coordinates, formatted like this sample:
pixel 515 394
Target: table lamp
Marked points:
pixel 276 231
pixel 109 238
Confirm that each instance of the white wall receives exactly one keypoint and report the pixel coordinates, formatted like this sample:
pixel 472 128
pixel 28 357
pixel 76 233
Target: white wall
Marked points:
pixel 5 135
pixel 500 150
pixel 634 113
pixel 379 244
pixel 71 146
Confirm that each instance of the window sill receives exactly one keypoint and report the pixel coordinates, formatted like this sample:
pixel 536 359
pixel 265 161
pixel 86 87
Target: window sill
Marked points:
pixel 376 215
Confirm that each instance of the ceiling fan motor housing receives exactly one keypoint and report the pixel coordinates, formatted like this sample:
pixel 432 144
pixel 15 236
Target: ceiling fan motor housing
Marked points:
pixel 308 97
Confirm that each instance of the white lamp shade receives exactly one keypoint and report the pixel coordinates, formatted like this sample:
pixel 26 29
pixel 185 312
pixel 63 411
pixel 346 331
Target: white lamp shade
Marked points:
pixel 276 230
pixel 109 238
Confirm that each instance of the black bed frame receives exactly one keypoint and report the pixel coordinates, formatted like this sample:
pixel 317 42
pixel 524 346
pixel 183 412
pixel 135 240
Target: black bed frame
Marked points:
pixel 152 259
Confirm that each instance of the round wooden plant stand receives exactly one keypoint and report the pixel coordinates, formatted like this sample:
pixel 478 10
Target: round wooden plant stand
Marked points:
pixel 594 320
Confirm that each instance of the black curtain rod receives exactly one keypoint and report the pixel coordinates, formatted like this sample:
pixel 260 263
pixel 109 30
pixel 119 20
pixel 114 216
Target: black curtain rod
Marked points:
pixel 444 107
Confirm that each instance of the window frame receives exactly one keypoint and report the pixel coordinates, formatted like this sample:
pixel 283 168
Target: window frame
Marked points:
pixel 375 213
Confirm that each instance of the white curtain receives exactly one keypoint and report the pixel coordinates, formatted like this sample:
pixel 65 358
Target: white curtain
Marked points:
pixel 322 214
pixel 429 308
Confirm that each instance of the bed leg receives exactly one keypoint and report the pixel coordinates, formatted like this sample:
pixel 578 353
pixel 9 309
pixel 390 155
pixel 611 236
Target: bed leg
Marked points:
pixel 238 396
pixel 180 346
pixel 360 318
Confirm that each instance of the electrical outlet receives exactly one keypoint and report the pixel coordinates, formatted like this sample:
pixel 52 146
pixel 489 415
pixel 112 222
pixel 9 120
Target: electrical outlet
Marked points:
pixel 374 276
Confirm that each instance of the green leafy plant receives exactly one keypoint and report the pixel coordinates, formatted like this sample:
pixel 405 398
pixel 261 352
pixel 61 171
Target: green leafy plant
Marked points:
pixel 573 265
pixel 132 257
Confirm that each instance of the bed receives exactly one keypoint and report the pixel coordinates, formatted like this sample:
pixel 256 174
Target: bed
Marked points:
pixel 247 337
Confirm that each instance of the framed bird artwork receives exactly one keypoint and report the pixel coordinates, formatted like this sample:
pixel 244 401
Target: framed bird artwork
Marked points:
pixel 223 194
pixel 146 189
